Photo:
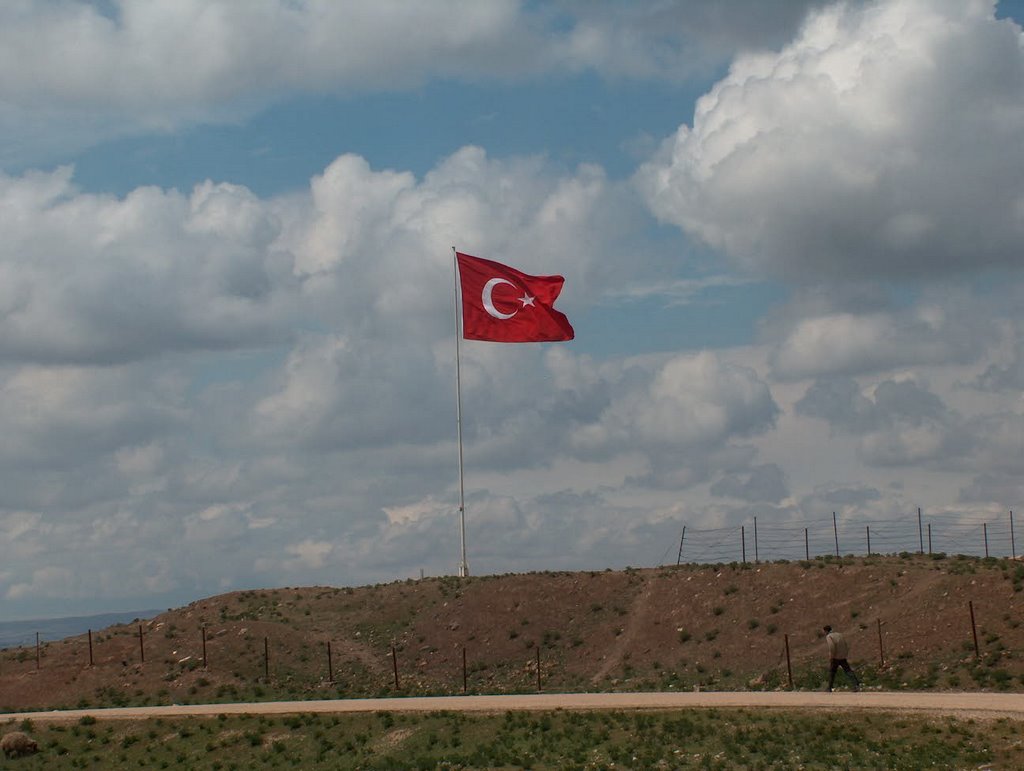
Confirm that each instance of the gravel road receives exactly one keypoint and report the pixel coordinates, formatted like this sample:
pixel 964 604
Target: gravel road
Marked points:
pixel 975 705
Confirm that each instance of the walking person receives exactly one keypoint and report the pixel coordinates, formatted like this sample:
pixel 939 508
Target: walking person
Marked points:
pixel 838 651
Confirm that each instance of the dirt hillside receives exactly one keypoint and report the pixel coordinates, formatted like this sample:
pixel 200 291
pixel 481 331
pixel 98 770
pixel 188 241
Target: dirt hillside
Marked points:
pixel 908 619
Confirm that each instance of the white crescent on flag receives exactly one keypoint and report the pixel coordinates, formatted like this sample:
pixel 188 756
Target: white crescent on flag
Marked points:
pixel 489 302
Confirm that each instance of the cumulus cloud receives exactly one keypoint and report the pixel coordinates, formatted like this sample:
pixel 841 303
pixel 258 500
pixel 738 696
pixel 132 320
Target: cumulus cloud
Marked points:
pixel 113 69
pixel 683 413
pixel 1004 488
pixel 898 422
pixel 1005 372
pixel 766 482
pixel 840 342
pixel 97 279
pixel 884 141
pixel 675 39
pixel 836 496
pixel 232 388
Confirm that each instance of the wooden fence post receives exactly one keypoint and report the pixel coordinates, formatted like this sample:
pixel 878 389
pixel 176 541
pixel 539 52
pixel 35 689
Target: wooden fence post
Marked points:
pixel 330 665
pixel 789 665
pixel 394 662
pixel 90 647
pixel 142 650
pixel 1013 545
pixel 974 629
pixel 881 653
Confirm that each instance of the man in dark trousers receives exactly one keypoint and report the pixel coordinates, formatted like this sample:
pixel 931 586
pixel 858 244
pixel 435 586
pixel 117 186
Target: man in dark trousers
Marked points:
pixel 838 650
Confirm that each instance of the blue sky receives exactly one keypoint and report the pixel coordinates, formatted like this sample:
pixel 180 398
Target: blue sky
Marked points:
pixel 791 233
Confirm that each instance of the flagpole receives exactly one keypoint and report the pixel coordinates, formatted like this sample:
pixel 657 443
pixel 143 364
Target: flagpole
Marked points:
pixel 463 564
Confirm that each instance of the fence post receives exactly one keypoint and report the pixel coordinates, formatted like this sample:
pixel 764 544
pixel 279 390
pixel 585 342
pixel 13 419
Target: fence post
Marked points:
pixel 984 530
pixel 756 559
pixel 743 543
pixel 203 630
pixel 538 668
pixel 1013 546
pixel 920 533
pixel 142 650
pixel 868 529
pixel 394 663
pixel 835 530
pixel 679 558
pixel 807 548
pixel 37 650
pixel 330 666
pixel 789 665
pixel 90 647
pixel 929 538
pixel 974 629
pixel 881 653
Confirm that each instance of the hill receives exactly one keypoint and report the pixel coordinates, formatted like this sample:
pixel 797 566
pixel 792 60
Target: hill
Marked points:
pixel 20 633
pixel 908 619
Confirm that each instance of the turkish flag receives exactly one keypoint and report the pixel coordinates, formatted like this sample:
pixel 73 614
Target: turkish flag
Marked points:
pixel 503 305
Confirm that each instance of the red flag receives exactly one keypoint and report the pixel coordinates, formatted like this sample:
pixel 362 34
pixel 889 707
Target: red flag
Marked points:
pixel 502 305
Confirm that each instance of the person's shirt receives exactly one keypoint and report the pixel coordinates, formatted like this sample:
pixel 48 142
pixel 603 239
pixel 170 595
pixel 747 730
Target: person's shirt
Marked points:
pixel 838 648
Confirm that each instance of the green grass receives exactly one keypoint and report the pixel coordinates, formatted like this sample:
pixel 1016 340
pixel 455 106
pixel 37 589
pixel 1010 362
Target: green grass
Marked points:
pixel 707 739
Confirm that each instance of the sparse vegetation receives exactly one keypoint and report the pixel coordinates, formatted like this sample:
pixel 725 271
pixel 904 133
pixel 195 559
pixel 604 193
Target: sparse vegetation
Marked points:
pixel 585 626
pixel 675 739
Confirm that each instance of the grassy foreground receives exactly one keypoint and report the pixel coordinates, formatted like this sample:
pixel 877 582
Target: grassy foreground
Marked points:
pixel 713 739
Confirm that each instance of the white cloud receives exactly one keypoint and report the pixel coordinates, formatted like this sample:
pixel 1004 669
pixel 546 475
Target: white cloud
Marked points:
pixel 96 279
pixel 141 417
pixel 309 553
pixel 898 422
pixel 845 342
pixel 74 72
pixel 242 391
pixel 883 141
pixel 682 413
pixel 220 522
pixel 46 582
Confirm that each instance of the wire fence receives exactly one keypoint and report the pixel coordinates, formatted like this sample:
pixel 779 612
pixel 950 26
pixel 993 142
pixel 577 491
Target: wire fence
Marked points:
pixel 947 532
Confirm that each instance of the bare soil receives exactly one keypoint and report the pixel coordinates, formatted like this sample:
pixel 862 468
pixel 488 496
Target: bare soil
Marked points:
pixel 960 704
pixel 717 627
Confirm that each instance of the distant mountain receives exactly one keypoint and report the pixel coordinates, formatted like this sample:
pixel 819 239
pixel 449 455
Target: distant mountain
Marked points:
pixel 15 633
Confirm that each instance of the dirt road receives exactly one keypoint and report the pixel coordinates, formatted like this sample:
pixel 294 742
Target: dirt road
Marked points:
pixel 976 705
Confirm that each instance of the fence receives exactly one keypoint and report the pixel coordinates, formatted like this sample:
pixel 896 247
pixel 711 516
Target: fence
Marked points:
pixel 945 532
pixel 274 662
pixel 400 674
